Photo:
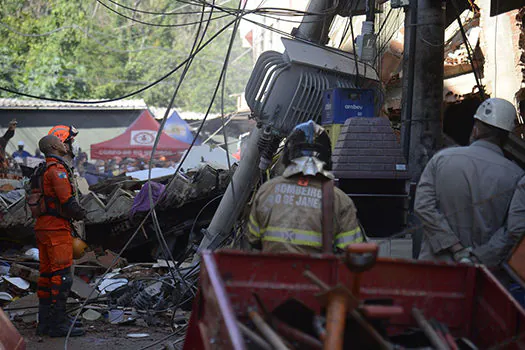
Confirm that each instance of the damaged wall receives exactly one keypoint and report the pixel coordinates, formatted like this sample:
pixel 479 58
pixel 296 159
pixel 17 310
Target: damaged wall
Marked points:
pixel 500 45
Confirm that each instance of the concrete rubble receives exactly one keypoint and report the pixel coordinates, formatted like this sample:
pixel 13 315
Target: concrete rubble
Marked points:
pixel 143 288
pixel 133 297
pixel 109 204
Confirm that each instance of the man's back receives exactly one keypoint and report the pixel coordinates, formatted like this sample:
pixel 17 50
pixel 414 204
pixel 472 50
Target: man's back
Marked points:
pixel 473 188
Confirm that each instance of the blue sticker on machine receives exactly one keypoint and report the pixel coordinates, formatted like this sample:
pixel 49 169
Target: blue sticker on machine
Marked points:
pixel 62 175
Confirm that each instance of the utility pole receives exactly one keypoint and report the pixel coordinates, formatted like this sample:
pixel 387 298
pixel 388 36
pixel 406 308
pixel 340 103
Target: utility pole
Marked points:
pixel 409 54
pixel 239 189
pixel 422 126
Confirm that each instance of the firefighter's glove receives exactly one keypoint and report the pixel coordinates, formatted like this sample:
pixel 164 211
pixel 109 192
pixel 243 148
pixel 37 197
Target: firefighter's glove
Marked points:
pixel 73 210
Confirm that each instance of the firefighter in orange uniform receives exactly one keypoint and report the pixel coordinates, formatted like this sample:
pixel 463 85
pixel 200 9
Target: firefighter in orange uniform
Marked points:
pixel 53 235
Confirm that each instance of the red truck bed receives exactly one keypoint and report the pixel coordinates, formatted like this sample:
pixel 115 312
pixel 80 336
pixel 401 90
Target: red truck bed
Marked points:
pixel 468 299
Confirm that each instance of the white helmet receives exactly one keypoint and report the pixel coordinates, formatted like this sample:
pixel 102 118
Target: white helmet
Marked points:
pixel 497 112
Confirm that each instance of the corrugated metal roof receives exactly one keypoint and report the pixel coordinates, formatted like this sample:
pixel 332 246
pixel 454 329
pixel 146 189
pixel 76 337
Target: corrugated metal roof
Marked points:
pixel 14 103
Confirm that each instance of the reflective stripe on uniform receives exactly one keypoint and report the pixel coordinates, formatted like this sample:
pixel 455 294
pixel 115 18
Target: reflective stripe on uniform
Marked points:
pixel 345 238
pixel 253 227
pixel 292 236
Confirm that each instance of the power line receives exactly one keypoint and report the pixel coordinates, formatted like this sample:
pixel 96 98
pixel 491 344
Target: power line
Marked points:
pixel 193 52
pixel 156 223
pixel 127 95
pixel 154 12
pixel 155 24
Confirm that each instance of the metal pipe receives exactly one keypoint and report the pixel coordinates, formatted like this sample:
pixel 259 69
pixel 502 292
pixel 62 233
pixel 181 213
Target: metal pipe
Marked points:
pixel 431 334
pixel 235 197
pixel 312 277
pixel 292 333
pixel 427 104
pixel 260 342
pixel 270 335
pixel 314 28
pixel 409 52
pixel 383 344
pixel 370 10
pixel 335 321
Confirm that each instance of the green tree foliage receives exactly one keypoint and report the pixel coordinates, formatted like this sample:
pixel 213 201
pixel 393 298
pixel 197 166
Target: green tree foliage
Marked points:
pixel 74 49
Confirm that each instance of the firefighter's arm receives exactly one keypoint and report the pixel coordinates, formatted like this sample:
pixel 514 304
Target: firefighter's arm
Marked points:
pixel 254 229
pixel 64 193
pixel 348 230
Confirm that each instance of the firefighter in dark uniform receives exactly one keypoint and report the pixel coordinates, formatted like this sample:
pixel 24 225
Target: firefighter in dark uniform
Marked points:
pixel 55 243
pixel 286 216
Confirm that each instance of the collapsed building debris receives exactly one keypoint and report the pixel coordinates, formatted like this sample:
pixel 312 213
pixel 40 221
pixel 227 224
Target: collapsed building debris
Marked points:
pixel 133 297
pixel 109 222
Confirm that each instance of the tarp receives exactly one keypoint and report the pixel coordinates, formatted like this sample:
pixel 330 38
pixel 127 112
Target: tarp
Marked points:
pixel 137 142
pixel 177 128
pixel 215 156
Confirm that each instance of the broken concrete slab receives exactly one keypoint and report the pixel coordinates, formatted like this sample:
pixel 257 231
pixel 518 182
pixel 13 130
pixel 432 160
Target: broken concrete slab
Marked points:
pixel 24 272
pixel 28 301
pixel 82 289
pixel 91 315
pixel 110 260
pixel 119 205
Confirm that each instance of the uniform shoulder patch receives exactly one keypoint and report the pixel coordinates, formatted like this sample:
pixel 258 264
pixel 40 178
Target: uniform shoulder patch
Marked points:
pixel 61 175
pixel 303 181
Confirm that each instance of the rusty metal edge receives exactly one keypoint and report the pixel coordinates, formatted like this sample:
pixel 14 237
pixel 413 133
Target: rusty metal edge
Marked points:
pixel 225 305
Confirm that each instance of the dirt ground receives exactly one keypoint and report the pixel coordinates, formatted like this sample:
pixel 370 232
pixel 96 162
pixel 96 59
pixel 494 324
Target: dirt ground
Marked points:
pixel 99 335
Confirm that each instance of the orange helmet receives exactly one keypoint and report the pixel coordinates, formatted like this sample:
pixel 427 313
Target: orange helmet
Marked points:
pixel 79 247
pixel 63 132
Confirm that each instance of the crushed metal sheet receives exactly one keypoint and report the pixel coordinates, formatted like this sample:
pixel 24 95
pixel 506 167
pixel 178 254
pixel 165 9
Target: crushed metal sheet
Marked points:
pixel 5 296
pixel 17 282
pixel 110 284
pixel 138 335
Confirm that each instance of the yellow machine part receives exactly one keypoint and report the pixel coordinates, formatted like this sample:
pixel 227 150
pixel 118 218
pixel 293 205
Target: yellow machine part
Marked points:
pixel 333 130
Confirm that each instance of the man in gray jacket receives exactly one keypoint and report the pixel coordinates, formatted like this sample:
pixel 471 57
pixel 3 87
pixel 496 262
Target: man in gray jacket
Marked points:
pixel 464 193
pixel 516 219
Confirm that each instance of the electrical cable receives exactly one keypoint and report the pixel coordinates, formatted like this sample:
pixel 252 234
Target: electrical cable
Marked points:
pixel 190 248
pixel 217 86
pixel 394 31
pixel 258 13
pixel 227 61
pixel 345 32
pixel 143 221
pixel 326 48
pixel 179 25
pixel 129 94
pixel 155 24
pixel 218 130
pixel 156 223
pixel 155 13
pixel 200 128
pixel 385 21
pixel 163 77
pixel 355 53
pixel 496 52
